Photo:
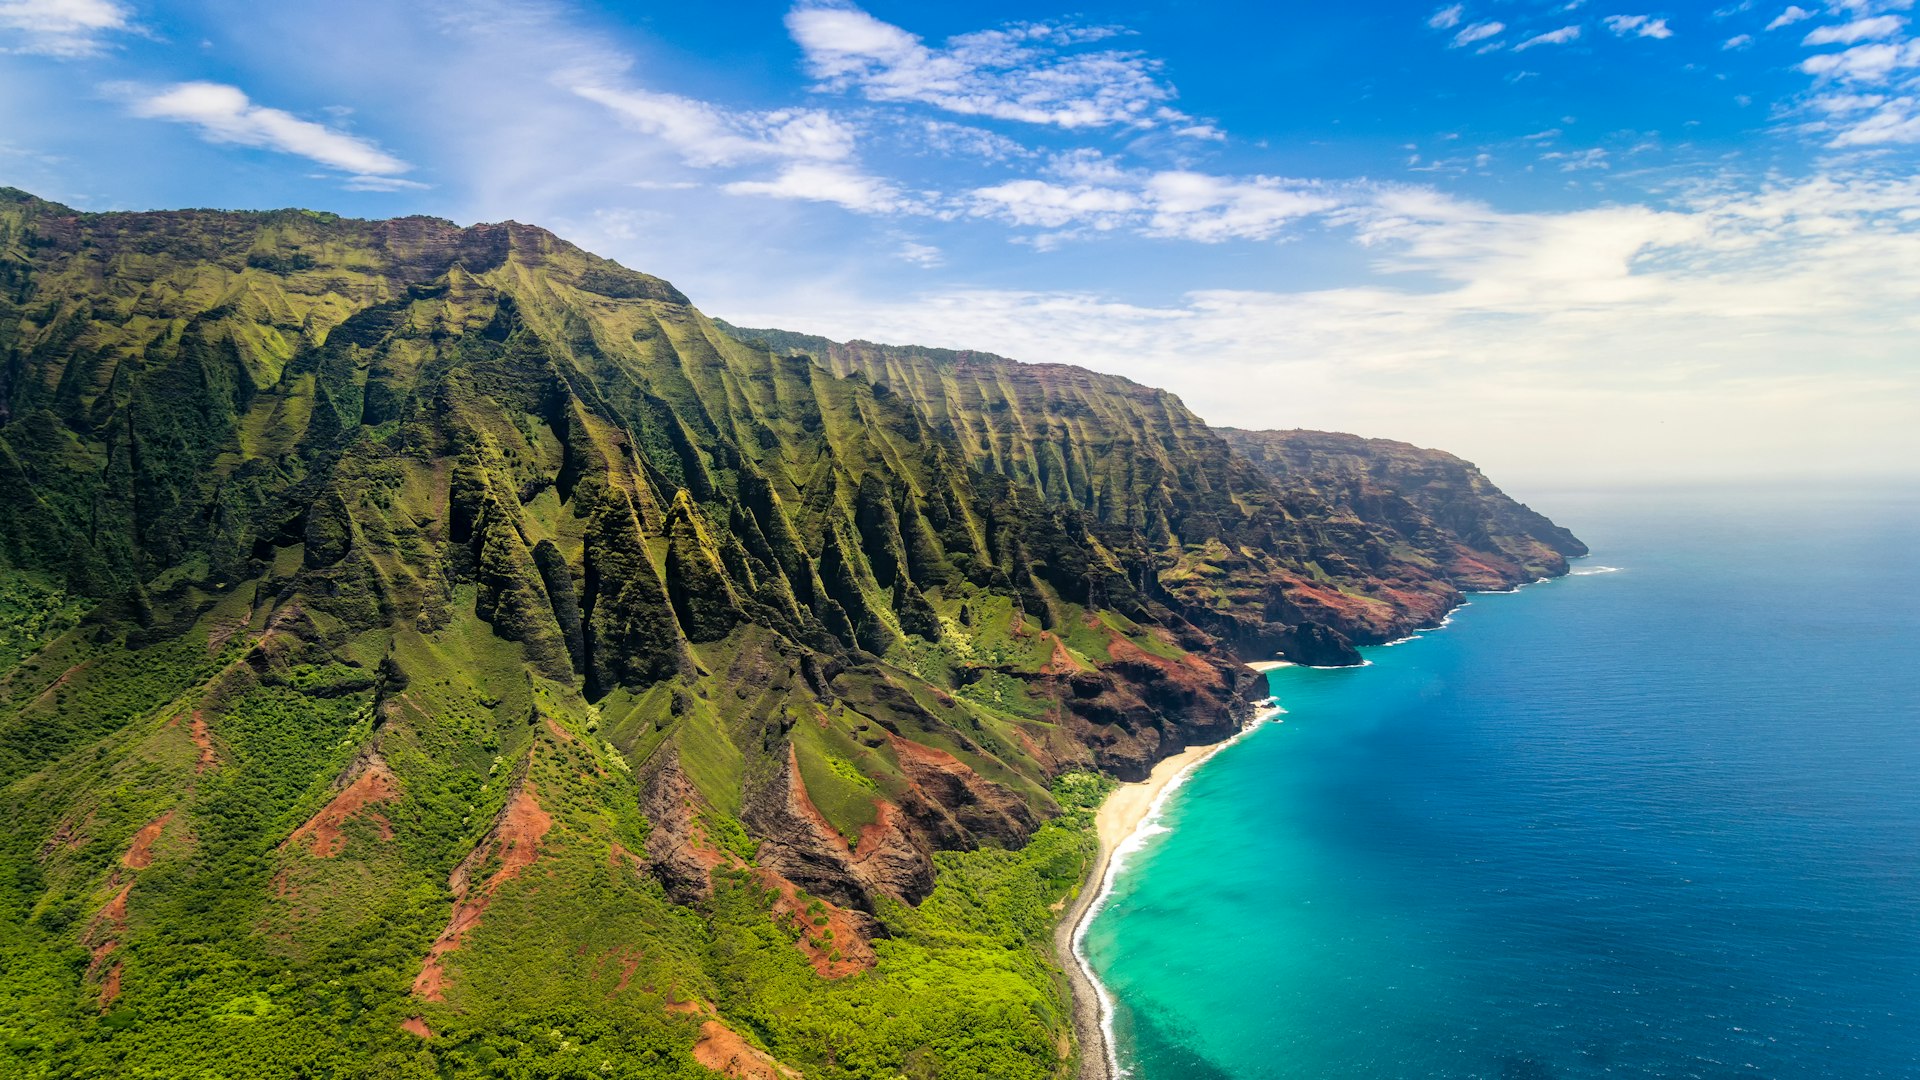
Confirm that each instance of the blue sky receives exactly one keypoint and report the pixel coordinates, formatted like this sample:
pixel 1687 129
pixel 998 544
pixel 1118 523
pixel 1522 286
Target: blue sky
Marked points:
pixel 1572 241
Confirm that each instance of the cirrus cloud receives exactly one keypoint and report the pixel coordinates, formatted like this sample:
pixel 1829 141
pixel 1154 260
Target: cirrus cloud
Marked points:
pixel 224 114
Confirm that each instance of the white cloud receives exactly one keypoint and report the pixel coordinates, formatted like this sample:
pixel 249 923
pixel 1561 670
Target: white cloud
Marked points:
pixel 62 28
pixel 1881 26
pixel 1645 26
pixel 1053 206
pixel 1737 41
pixel 1735 330
pixel 706 135
pixel 1576 160
pixel 1869 7
pixel 1447 17
pixel 1551 37
pixel 1794 13
pixel 1864 63
pixel 1025 72
pixel 829 183
pixel 964 141
pixel 1891 120
pixel 1479 31
pixel 1209 209
pixel 223 114
pixel 1091 193
pixel 925 255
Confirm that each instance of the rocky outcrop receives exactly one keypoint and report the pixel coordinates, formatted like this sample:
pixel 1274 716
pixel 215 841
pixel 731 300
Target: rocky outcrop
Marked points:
pixel 801 845
pixel 1440 505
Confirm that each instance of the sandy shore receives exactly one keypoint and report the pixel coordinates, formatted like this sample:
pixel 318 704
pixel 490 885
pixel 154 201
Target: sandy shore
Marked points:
pixel 1118 818
pixel 1264 666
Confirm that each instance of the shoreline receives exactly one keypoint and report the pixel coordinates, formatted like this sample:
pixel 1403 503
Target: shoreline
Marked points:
pixel 1118 824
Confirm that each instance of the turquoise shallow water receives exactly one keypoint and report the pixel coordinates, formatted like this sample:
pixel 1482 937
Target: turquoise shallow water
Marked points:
pixel 1663 822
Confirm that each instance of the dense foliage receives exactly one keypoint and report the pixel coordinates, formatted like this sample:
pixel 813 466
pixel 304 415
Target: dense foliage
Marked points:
pixel 439 652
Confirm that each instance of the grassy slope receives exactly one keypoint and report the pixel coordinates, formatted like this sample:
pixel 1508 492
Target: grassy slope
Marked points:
pixel 403 623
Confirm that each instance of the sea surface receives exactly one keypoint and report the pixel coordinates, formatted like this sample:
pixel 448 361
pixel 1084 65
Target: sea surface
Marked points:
pixel 1660 818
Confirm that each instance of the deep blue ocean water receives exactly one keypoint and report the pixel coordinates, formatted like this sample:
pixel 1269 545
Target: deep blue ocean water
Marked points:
pixel 1663 822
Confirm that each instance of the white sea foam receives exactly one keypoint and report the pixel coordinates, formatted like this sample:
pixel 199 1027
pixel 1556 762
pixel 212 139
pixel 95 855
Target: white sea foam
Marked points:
pixel 1150 826
pixel 1585 571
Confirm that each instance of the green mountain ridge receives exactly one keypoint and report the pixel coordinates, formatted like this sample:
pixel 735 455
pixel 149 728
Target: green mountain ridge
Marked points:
pixel 439 651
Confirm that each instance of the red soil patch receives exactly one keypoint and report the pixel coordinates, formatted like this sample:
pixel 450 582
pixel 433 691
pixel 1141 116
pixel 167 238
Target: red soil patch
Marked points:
pixel 688 1008
pixel 846 953
pixel 626 957
pixel 1061 662
pixel 515 839
pixel 204 741
pixel 413 1025
pixel 110 987
pixel 723 1050
pixel 140 855
pixel 101 940
pixel 373 784
pixel 115 912
pixel 1335 608
pixel 1039 753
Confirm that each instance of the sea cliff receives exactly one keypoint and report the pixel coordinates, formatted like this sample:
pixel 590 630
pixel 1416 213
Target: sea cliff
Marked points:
pixel 415 631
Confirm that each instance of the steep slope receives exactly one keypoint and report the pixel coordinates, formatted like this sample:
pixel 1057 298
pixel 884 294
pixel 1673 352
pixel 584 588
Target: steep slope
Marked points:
pixel 428 649
pixel 1438 505
pixel 1264 567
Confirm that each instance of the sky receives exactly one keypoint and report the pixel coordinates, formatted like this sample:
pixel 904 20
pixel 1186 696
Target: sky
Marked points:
pixel 1587 241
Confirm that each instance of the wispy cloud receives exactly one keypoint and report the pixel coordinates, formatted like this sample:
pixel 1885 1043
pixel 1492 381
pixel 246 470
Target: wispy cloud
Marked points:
pixel 1864 63
pixel 1091 194
pixel 1551 37
pixel 1029 72
pixel 1447 17
pixel 828 183
pixel 224 114
pixel 707 135
pixel 1881 26
pixel 1710 332
pixel 1645 26
pixel 1794 13
pixel 1479 31
pixel 64 28
pixel 1737 41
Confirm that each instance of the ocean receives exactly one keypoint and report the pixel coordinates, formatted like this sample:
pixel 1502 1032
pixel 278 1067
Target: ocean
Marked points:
pixel 1660 818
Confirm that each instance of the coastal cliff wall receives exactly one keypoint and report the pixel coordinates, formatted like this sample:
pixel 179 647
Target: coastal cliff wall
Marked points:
pixel 458 590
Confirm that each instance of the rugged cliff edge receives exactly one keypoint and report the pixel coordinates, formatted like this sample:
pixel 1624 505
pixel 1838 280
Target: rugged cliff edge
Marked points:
pixel 1438 505
pixel 428 648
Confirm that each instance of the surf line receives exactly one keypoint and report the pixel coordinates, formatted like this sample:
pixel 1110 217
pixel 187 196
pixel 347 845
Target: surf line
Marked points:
pixel 1147 827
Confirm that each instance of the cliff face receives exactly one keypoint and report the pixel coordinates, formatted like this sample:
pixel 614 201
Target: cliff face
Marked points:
pixel 1439 505
pixel 455 607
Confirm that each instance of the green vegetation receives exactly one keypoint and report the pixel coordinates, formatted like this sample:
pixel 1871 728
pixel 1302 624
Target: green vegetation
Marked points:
pixel 437 652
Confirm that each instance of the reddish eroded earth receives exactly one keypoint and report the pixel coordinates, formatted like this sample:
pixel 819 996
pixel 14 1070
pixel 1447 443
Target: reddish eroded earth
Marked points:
pixel 414 1025
pixel 372 784
pixel 139 855
pixel 723 1050
pixel 1062 661
pixel 202 740
pixel 679 842
pixel 110 986
pixel 102 938
pixel 831 936
pixel 515 840
pixel 626 960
